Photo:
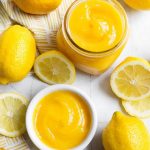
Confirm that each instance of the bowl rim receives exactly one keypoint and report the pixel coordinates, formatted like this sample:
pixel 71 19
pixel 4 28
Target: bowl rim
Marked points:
pixel 29 114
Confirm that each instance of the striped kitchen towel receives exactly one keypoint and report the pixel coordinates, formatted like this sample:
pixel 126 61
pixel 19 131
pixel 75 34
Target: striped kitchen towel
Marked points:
pixel 44 28
pixel 18 143
pixel 5 22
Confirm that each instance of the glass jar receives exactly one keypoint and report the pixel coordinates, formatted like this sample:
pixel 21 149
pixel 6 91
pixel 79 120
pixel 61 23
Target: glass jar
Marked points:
pixel 91 62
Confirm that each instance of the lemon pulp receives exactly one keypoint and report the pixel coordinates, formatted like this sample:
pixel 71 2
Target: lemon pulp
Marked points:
pixel 53 67
pixel 131 79
pixel 12 114
pixel 140 108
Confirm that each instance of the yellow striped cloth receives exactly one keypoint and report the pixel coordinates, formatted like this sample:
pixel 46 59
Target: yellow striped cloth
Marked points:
pixel 5 22
pixel 18 143
pixel 44 28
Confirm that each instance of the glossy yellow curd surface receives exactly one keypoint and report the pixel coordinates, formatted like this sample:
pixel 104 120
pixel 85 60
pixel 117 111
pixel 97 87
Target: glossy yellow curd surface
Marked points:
pixel 93 34
pixel 62 120
pixel 95 25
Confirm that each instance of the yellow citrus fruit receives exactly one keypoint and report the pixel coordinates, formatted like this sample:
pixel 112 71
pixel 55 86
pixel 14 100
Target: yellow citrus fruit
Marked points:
pixel 17 54
pixel 139 4
pixel 131 79
pixel 125 133
pixel 37 6
pixel 140 108
pixel 53 67
pixel 12 114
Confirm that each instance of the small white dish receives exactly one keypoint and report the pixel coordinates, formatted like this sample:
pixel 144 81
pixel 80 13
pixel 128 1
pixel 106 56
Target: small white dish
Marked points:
pixel 29 116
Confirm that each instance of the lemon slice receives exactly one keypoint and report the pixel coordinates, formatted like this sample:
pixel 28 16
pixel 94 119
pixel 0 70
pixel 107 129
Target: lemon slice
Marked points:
pixel 131 79
pixel 140 108
pixel 12 114
pixel 53 67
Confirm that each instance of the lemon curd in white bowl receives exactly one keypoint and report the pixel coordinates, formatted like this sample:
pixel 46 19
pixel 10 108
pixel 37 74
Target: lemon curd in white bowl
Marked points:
pixel 61 117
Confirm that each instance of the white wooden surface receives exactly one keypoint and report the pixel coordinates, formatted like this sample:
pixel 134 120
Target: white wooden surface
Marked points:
pixel 98 87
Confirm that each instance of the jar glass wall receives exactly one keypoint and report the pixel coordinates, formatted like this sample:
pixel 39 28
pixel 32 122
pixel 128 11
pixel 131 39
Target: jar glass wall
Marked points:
pixel 92 62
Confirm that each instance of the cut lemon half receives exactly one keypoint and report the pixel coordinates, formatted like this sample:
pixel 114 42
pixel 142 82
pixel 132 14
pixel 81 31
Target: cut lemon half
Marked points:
pixel 12 114
pixel 140 108
pixel 53 67
pixel 131 79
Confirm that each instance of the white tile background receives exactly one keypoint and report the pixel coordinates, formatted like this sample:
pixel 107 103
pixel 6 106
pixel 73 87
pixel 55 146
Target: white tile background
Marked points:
pixel 98 87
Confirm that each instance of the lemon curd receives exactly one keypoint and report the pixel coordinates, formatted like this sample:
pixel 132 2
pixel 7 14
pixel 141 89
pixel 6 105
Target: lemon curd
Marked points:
pixel 62 120
pixel 93 34
pixel 95 25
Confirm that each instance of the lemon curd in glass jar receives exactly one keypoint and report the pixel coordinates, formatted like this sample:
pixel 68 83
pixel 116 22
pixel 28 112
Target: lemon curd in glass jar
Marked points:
pixel 93 34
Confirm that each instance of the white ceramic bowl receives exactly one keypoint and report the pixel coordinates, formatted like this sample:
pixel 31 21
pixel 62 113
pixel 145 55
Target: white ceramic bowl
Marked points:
pixel 39 96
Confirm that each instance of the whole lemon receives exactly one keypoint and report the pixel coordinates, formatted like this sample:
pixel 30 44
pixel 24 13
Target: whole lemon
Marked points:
pixel 17 53
pixel 37 6
pixel 139 4
pixel 125 133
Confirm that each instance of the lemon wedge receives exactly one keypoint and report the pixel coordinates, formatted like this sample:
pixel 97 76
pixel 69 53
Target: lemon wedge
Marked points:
pixel 12 114
pixel 140 108
pixel 53 67
pixel 131 79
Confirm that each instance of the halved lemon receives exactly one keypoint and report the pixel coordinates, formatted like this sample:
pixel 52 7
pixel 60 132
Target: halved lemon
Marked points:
pixel 131 79
pixel 53 67
pixel 140 108
pixel 12 114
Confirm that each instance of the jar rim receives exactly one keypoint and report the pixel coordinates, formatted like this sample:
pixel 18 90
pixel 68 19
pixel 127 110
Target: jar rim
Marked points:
pixel 84 52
